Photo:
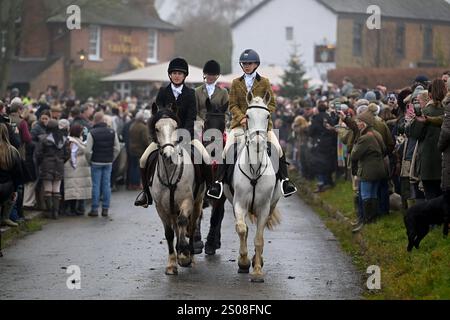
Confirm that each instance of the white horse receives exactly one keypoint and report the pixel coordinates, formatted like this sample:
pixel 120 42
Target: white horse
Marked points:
pixel 256 187
pixel 172 188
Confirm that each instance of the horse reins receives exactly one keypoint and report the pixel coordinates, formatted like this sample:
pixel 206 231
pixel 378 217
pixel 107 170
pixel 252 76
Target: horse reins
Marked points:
pixel 170 184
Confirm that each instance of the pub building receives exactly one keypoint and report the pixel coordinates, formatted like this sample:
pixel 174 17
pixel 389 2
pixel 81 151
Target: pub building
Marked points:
pixel 114 37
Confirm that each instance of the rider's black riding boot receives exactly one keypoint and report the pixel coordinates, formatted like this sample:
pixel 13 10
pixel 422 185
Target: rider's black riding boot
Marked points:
pixel 287 187
pixel 215 191
pixel 145 198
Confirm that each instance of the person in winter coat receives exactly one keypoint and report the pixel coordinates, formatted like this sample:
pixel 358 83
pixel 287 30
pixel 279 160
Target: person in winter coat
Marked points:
pixel 210 90
pixel 259 86
pixel 178 96
pixel 427 128
pixel 102 148
pixel 324 155
pixel 369 152
pixel 51 154
pixel 77 174
pixel 10 176
pixel 139 140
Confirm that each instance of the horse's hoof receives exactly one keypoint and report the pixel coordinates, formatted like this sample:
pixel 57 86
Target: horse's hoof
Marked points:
pixel 171 271
pixel 253 262
pixel 210 251
pixel 184 261
pixel 257 279
pixel 242 270
pixel 198 247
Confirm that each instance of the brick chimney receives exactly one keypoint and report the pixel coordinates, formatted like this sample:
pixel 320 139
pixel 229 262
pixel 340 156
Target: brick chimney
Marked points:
pixel 148 6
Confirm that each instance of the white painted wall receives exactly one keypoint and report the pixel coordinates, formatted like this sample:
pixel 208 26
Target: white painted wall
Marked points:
pixel 265 32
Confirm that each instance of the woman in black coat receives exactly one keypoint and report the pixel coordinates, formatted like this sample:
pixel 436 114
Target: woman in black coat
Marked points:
pixel 51 154
pixel 324 147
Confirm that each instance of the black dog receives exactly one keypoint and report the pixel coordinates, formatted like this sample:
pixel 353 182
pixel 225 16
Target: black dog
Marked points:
pixel 420 217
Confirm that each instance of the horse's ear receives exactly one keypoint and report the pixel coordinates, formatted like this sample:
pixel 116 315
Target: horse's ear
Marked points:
pixel 267 98
pixel 249 97
pixel 154 108
pixel 208 105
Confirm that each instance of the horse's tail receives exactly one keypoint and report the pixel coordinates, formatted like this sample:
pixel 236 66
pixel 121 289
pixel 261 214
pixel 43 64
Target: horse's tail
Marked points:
pixel 273 221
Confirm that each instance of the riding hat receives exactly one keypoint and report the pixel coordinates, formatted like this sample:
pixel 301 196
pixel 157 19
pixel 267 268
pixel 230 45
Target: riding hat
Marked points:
pixel 250 55
pixel 212 67
pixel 178 64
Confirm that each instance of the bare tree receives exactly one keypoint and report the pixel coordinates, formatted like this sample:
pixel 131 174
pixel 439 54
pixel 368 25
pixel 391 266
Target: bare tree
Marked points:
pixel 206 29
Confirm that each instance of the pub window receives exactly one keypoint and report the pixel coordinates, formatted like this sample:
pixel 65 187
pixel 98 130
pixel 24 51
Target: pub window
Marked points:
pixel 357 38
pixel 289 33
pixel 400 41
pixel 428 42
pixel 94 42
pixel 152 46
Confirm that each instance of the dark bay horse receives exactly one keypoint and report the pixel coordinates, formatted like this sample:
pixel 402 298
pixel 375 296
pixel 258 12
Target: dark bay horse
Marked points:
pixel 215 119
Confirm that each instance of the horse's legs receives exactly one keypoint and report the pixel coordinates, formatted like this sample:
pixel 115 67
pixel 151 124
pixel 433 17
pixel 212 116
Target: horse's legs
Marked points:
pixel 257 274
pixel 213 239
pixel 172 263
pixel 194 229
pixel 198 243
pixel 184 249
pixel 242 231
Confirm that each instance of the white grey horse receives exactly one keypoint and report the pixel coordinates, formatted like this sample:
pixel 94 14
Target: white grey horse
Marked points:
pixel 256 187
pixel 172 189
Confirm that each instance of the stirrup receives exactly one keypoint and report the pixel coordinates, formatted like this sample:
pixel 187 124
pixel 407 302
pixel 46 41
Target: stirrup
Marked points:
pixel 287 194
pixel 220 193
pixel 146 200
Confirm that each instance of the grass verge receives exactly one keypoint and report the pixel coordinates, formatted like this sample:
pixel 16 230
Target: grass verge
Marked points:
pixel 12 234
pixel 422 274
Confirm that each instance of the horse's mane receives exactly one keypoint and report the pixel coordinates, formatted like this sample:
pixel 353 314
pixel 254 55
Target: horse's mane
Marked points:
pixel 161 114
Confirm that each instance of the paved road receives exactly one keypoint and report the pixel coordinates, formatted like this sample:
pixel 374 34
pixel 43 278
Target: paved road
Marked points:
pixel 124 257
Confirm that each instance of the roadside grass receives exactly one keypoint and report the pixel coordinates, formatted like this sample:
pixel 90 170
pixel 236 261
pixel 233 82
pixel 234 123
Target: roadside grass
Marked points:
pixel 423 274
pixel 24 229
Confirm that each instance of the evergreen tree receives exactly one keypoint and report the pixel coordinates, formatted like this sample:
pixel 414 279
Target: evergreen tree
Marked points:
pixel 293 79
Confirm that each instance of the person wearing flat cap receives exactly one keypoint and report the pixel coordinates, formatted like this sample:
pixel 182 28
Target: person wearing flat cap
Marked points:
pixel 369 152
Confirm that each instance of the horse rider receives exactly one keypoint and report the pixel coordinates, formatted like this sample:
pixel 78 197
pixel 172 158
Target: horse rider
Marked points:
pixel 259 86
pixel 179 96
pixel 210 89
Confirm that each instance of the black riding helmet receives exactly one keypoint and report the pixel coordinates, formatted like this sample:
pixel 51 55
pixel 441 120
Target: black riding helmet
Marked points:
pixel 249 56
pixel 178 64
pixel 212 67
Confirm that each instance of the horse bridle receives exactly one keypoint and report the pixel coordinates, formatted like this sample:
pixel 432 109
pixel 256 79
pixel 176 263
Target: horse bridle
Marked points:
pixel 170 184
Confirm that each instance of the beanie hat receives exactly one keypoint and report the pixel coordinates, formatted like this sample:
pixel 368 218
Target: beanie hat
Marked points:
pixel 64 124
pixel 367 117
pixel 362 109
pixel 374 108
pixel 362 102
pixel 370 96
pixel 52 124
